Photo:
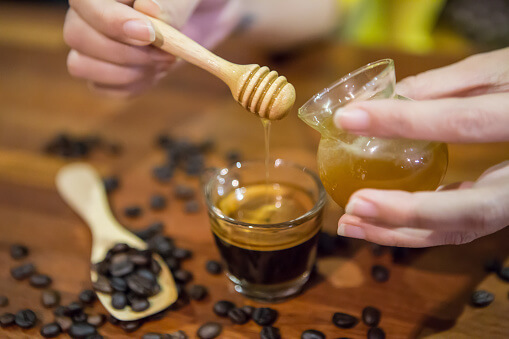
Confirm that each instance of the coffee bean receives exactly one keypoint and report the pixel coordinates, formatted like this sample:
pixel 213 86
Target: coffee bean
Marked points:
pixel 312 334
pixel 197 292
pixel 4 301
pixel 111 184
pixel 481 298
pixel 380 273
pixel 95 336
pixel 153 336
pixel 248 310
pixel 82 330
pixel 18 251
pixel 65 323
pixel 118 300
pixel 504 274
pixel 371 316
pixel 163 173
pixel 102 285
pixel 214 267
pixel 140 285
pixel 157 202
pixel 147 275
pixel 120 248
pixel 172 263
pixel 80 318
pixel 25 319
pixel 139 304
pixel 209 330
pixel 96 320
pixel 155 267
pixel 492 265
pixel 50 330
pixel 177 335
pixel 132 211
pixel 7 319
pixel 87 297
pixel 50 298
pixel 237 316
pixel 118 284
pixel 269 332
pixel 130 326
pixel 182 253
pixel 121 268
pixel 183 192
pixel 343 320
pixel 182 276
pixel 376 333
pixel 162 245
pixel 73 309
pixel 150 231
pixel 191 206
pixel 113 320
pixel 222 307
pixel 23 271
pixel 265 316
pixel 40 280
pixel 60 311
pixel 141 258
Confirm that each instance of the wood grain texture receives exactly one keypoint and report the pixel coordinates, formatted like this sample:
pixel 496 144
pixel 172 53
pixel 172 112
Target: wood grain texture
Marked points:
pixel 427 297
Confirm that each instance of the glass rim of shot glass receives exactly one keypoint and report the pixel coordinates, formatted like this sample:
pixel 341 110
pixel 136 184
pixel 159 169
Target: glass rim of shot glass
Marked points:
pixel 389 66
pixel 294 223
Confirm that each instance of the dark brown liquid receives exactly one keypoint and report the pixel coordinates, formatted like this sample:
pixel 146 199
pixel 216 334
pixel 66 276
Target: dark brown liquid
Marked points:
pixel 268 267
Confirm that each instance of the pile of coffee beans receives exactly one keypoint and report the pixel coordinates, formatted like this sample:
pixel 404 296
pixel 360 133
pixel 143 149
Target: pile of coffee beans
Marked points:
pixel 69 146
pixel 129 275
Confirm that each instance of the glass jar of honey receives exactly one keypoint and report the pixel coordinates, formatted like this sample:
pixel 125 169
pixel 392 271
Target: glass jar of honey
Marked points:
pixel 349 162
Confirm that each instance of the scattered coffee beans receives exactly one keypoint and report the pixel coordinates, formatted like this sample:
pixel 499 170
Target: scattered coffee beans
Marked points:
pixel 23 271
pixel 493 265
pixel 248 310
pixel 182 276
pixel 25 319
pixel 4 301
pixel 265 316
pixel 50 330
pixel 222 307
pixel 150 231
pixel 269 332
pixel 182 253
pixel 376 333
pixel 192 206
pixel 380 273
pixel 312 334
pixel 111 184
pixel 7 319
pixel 481 298
pixel 132 211
pixel 18 251
pixel 343 320
pixel 183 192
pixel 209 330
pixel 371 316
pixel 96 320
pixel 197 292
pixel 130 326
pixel 214 267
pixel 504 274
pixel 50 298
pixel 157 202
pixel 40 280
pixel 87 297
pixel 74 308
pixel 82 330
pixel 237 316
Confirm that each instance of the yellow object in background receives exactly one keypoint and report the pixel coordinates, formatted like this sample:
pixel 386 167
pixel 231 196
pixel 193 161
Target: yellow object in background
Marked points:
pixel 403 24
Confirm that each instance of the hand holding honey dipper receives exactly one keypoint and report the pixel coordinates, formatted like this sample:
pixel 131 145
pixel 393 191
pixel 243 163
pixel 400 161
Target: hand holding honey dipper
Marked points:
pixel 465 102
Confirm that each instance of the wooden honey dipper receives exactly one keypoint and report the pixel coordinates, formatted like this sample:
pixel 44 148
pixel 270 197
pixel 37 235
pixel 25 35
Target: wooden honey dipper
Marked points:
pixel 258 89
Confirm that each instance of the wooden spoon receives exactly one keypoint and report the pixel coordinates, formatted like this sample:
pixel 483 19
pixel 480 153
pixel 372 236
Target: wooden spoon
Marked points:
pixel 80 186
pixel 256 88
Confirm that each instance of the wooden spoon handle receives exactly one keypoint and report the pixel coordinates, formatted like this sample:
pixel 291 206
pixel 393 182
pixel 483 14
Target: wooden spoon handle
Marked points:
pixel 172 41
pixel 82 188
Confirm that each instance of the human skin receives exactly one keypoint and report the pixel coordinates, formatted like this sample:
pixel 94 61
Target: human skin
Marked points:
pixel 465 102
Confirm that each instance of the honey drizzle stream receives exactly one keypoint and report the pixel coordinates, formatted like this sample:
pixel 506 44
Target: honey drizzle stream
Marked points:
pixel 266 130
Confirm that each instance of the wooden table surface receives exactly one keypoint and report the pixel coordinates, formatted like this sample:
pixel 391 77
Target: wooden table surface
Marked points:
pixel 426 297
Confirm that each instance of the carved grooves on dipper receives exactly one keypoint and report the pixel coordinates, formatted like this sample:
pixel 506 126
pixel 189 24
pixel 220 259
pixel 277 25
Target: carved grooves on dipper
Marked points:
pixel 242 92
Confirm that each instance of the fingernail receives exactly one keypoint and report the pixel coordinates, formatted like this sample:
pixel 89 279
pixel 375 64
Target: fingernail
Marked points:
pixel 157 4
pixel 352 119
pixel 140 30
pixel 361 208
pixel 351 231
